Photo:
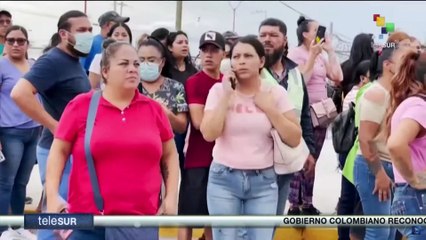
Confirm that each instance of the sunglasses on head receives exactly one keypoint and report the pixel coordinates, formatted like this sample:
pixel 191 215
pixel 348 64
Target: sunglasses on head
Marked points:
pixel 19 41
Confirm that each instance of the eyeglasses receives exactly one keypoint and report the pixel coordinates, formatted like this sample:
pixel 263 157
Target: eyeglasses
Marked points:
pixel 5 21
pixel 19 41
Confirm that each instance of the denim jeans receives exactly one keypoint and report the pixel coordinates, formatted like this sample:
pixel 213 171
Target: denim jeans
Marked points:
pixel 409 201
pixel 19 149
pixel 42 155
pixel 364 183
pixel 242 192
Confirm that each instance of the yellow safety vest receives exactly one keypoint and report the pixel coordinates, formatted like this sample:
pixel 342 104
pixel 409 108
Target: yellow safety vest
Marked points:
pixel 294 89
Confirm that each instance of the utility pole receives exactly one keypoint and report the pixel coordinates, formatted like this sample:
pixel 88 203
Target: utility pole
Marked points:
pixel 121 8
pixel 178 24
pixel 234 10
pixel 85 7
pixel 331 29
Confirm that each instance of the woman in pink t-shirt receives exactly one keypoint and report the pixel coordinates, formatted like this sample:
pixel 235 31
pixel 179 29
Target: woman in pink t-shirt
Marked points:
pixel 242 180
pixel 316 68
pixel 406 123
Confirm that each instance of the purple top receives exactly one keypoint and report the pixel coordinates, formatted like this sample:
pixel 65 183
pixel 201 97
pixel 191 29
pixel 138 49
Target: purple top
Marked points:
pixel 10 114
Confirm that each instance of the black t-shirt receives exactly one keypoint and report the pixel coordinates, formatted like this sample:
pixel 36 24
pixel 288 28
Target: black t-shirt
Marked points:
pixel 182 76
pixel 58 78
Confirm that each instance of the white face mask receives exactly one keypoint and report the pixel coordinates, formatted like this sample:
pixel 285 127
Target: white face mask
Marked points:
pixel 225 65
pixel 83 42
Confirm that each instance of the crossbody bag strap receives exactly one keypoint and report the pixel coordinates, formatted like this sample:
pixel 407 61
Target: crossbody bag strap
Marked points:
pixel 93 108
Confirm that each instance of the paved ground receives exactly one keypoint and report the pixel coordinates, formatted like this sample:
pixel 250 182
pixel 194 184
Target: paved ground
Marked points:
pixel 326 189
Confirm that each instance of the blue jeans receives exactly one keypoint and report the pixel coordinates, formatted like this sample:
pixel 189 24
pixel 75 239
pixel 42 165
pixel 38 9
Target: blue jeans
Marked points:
pixel 19 149
pixel 409 201
pixel 42 155
pixel 283 182
pixel 242 192
pixel 364 182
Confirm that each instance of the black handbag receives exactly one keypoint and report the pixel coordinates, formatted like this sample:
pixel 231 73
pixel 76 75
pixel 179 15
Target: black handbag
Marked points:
pixel 344 131
pixel 111 233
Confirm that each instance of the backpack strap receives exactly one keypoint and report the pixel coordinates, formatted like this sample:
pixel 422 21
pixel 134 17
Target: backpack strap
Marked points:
pixel 93 108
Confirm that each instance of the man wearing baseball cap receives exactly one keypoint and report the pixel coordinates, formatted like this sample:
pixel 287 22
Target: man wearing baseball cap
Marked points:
pixel 231 37
pixel 106 21
pixel 193 188
pixel 5 22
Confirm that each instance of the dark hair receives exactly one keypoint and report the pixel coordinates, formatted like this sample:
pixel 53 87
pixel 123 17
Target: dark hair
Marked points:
pixel 170 60
pixel 361 50
pixel 302 26
pixel 150 41
pixel 125 26
pixel 107 42
pixel 376 63
pixel 409 81
pixel 160 34
pixel 17 28
pixel 63 23
pixel 361 70
pixel 274 22
pixel 254 42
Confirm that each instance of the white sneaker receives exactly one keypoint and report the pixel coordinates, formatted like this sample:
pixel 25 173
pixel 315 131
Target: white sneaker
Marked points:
pixel 27 235
pixel 11 234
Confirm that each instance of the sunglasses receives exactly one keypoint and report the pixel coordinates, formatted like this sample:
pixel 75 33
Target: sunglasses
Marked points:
pixel 19 41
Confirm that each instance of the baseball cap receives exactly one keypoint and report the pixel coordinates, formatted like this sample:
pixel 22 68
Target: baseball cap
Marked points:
pixel 5 12
pixel 214 38
pixel 111 16
pixel 230 35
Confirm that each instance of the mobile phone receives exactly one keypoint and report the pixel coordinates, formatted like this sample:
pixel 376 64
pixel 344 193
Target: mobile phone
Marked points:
pixel 320 34
pixel 2 158
pixel 233 82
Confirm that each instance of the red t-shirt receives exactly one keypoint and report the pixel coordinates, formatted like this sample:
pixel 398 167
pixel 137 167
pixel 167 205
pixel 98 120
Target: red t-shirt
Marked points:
pixel 126 148
pixel 199 152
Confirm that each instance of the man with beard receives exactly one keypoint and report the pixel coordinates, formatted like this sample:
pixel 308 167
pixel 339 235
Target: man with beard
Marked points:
pixel 57 77
pixel 272 34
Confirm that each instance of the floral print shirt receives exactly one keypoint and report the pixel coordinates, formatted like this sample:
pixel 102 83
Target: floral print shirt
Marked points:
pixel 171 94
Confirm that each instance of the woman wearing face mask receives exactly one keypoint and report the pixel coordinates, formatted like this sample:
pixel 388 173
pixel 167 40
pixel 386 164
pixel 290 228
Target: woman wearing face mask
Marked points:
pixel 119 32
pixel 168 92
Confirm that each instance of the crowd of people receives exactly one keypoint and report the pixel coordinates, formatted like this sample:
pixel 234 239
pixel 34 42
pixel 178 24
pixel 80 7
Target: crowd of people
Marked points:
pixel 123 129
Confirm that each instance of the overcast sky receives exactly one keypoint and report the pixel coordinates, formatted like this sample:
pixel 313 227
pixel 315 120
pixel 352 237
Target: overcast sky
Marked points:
pixel 349 18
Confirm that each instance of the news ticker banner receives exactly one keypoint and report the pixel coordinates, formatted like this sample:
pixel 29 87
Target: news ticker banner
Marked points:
pixel 85 221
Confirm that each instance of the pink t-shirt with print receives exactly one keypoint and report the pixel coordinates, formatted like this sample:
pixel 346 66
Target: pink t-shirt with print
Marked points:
pixel 246 141
pixel 412 108
pixel 316 86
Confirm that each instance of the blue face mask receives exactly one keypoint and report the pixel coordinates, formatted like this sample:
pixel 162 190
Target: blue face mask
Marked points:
pixel 149 72
pixel 83 42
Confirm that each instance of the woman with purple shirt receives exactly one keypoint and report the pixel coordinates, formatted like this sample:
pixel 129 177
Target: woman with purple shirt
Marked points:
pixel 18 132
pixel 316 67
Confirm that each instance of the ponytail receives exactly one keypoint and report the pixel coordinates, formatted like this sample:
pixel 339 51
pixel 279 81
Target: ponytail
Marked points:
pixel 374 66
pixel 285 50
pixel 54 41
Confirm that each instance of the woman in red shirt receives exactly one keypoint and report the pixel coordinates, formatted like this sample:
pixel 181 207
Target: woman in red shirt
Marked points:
pixel 132 147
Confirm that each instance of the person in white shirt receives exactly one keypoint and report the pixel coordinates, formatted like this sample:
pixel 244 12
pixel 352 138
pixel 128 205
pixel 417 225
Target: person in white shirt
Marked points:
pixel 119 32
